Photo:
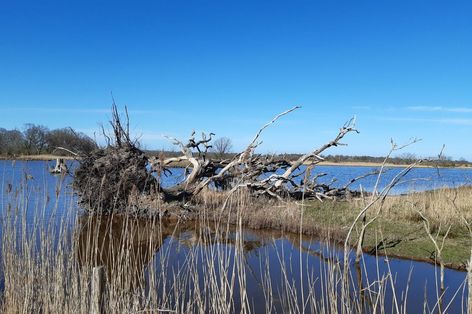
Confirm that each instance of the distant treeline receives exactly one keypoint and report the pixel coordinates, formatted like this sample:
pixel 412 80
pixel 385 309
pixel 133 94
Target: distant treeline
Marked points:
pixel 38 139
pixel 404 159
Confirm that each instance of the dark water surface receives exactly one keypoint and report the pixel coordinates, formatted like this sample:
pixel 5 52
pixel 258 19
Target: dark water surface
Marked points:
pixel 286 261
pixel 304 257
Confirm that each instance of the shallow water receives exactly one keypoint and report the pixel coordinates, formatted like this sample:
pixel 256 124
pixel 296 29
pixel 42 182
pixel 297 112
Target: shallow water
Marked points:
pixel 304 258
pixel 293 265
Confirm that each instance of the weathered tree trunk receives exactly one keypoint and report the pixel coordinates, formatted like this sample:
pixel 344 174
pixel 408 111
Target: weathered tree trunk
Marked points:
pixel 60 167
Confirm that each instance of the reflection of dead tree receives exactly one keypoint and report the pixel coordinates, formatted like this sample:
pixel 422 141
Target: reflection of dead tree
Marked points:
pixel 297 242
pixel 207 235
pixel 123 245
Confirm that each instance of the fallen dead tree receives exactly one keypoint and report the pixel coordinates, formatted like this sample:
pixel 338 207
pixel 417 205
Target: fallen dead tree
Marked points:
pixel 113 178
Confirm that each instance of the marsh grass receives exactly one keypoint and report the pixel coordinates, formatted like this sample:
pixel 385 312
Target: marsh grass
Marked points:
pixel 399 230
pixel 47 262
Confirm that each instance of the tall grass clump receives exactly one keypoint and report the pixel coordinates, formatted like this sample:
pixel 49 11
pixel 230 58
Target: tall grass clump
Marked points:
pixel 50 248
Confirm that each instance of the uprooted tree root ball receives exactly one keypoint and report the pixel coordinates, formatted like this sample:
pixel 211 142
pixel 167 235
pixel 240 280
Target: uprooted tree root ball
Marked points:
pixel 108 178
pixel 121 177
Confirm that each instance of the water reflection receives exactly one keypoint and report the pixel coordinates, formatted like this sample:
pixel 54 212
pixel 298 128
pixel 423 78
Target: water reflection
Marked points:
pixel 105 240
pixel 123 245
pixel 172 260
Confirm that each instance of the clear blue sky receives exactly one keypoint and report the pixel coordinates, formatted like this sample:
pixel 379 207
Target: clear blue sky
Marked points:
pixel 403 67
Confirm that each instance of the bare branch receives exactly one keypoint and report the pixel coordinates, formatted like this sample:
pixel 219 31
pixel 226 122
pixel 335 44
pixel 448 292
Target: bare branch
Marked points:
pixel 253 145
pixel 66 150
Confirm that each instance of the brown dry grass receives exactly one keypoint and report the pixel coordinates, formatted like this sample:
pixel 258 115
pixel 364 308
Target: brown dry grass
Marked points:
pixel 442 206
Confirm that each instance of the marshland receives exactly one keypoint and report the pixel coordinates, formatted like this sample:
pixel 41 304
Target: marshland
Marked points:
pixel 264 156
pixel 124 231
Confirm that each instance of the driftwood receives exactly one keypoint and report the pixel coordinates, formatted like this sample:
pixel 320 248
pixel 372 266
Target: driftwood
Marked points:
pixel 108 179
pixel 60 167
